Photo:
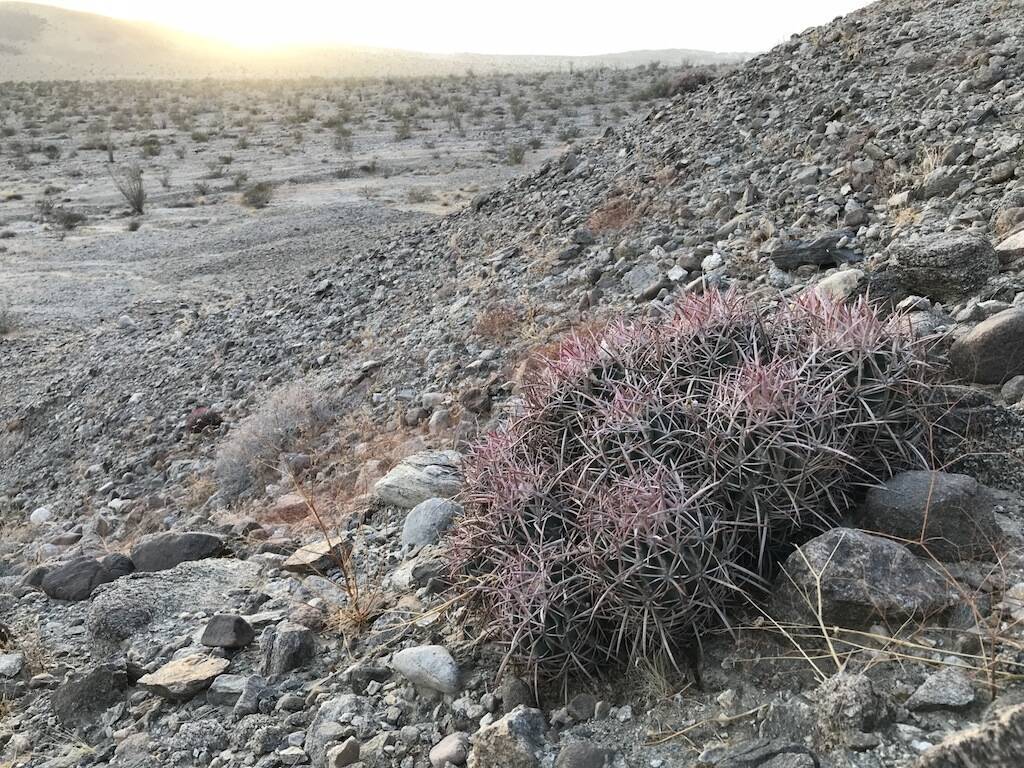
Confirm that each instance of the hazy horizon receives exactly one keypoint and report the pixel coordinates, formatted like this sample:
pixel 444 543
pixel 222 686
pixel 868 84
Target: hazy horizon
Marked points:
pixel 459 26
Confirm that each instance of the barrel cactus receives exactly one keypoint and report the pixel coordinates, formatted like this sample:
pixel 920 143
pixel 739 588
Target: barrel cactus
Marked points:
pixel 657 470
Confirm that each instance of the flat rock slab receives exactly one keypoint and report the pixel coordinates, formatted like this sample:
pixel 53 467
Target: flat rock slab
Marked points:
pixel 183 678
pixel 317 557
pixel 148 602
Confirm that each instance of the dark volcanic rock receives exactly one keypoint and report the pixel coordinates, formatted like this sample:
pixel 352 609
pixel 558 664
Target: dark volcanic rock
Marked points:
pixel 227 631
pixel 80 700
pixel 77 579
pixel 947 516
pixel 162 551
pixel 864 579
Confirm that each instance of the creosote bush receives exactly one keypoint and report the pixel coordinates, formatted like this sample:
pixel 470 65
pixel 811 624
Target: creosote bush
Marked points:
pixel 659 469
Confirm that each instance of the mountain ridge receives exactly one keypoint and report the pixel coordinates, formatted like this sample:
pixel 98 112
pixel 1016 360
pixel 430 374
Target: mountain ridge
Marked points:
pixel 41 42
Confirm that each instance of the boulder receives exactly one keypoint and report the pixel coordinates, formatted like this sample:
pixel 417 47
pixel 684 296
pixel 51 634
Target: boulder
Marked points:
pixel 946 516
pixel 427 521
pixel 75 580
pixel 422 476
pixel 945 267
pixel 864 580
pixel 428 666
pixel 993 351
pixel 181 679
pixel 161 551
pixel 514 741
pixel 83 698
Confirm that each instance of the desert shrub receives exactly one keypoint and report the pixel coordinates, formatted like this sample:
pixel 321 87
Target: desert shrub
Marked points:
pixel 251 450
pixel 8 317
pixel 659 469
pixel 418 195
pixel 258 195
pixel 515 153
pixel 129 184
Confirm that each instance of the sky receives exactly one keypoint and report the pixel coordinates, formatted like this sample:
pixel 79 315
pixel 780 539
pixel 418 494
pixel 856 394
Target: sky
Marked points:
pixel 569 27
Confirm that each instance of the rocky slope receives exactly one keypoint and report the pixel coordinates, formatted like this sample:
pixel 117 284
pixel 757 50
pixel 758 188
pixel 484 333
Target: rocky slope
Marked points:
pixel 878 154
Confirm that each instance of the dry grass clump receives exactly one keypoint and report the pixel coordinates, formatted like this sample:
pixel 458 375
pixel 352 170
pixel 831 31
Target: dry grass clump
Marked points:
pixel 252 447
pixel 660 468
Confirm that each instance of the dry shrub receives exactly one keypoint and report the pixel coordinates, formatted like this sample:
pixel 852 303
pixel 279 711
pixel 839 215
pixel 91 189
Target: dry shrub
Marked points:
pixel 612 215
pixel 660 469
pixel 497 322
pixel 252 448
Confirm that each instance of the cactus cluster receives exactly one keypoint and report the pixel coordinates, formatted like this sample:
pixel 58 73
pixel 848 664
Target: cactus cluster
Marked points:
pixel 658 468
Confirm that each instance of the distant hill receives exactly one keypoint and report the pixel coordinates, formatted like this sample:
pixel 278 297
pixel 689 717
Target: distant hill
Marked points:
pixel 40 42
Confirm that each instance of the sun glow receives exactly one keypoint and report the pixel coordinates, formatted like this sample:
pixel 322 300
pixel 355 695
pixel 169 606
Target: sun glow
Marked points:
pixel 571 27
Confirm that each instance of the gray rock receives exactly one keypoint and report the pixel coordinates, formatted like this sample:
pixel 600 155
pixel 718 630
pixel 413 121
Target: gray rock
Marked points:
pixel 947 516
pixel 427 521
pixel 343 754
pixel 992 744
pixel 227 631
pixel 582 754
pixel 161 551
pixel 325 729
pixel 514 741
pixel 248 701
pixel 453 748
pixel 80 700
pixel 428 666
pixel 993 351
pixel 948 688
pixel 422 476
pixel 945 267
pixel 1013 391
pixel 11 664
pixel 865 579
pixel 286 647
pixel 758 753
pixel 225 690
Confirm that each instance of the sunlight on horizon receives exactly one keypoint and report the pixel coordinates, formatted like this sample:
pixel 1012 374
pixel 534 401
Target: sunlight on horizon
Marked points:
pixel 449 26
